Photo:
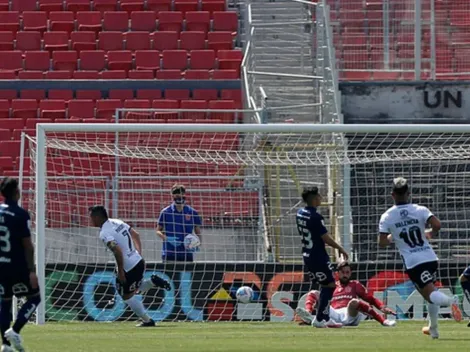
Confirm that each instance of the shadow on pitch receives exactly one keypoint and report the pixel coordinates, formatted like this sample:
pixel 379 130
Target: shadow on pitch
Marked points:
pixel 453 339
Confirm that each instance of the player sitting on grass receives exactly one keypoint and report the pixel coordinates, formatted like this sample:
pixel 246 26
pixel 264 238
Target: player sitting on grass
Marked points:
pixel 405 224
pixel 350 304
pixel 17 270
pixel 125 244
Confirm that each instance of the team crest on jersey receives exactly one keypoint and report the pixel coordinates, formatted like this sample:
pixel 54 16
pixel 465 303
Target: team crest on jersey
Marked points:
pixel 348 289
pixel 188 217
pixel 404 213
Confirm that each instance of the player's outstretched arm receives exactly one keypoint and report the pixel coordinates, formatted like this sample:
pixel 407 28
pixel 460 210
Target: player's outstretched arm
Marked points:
pixel 160 232
pixel 113 247
pixel 332 243
pixel 136 239
pixel 435 226
pixel 384 239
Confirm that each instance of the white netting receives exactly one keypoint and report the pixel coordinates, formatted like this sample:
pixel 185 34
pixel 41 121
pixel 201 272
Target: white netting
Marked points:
pixel 246 186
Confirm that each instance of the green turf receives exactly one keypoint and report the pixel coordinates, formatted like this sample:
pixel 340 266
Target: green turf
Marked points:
pixel 206 337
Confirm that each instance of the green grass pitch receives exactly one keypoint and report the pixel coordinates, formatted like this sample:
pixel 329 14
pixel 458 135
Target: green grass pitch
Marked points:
pixel 207 337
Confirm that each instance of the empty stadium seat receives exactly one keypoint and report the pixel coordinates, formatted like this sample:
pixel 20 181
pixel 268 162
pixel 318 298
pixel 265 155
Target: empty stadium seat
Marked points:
pixel 62 21
pixel 141 74
pixel 120 60
pixel 51 5
pixel 4 109
pixel 225 21
pixel 116 21
pixel 106 108
pixel 122 94
pixel 159 5
pixel 186 5
pixel 64 60
pixel 37 61
pixel 64 94
pixel 150 94
pixel 110 41
pixel 213 5
pixel 143 21
pixel 170 21
pixel 89 21
pixel 52 108
pixel 194 104
pixel 92 60
pixel 174 59
pixel 77 5
pixel 137 41
pixel 82 108
pixel 198 21
pixel 6 40
pixel 197 74
pixel 202 59
pixel 28 41
pixel 9 21
pixel 177 94
pixel 192 40
pixel 24 108
pixel 147 60
pixel 83 40
pixel 4 5
pixel 225 74
pixel 132 5
pixel 105 5
pixel 54 41
pixel 34 21
pixel 165 40
pixel 37 94
pixel 9 148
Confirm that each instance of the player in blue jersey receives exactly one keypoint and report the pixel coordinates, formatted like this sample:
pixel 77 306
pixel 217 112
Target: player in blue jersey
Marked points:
pixel 311 227
pixel 17 270
pixel 465 283
pixel 175 222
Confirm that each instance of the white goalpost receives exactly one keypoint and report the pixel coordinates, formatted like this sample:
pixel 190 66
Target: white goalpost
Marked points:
pixel 245 182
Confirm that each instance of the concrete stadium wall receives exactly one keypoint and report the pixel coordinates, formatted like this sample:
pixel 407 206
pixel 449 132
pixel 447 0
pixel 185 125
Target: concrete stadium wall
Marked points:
pixel 406 102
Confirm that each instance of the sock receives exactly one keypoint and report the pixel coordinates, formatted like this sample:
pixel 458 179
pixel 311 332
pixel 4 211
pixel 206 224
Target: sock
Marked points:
pixel 26 312
pixel 5 319
pixel 145 285
pixel 433 314
pixel 138 308
pixel 466 289
pixel 440 299
pixel 369 310
pixel 323 311
pixel 310 302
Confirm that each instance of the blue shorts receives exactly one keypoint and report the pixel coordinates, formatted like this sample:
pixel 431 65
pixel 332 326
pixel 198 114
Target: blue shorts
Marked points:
pixel 320 271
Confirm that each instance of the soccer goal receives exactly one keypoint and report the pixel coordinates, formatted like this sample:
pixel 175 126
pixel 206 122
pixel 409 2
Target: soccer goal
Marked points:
pixel 245 182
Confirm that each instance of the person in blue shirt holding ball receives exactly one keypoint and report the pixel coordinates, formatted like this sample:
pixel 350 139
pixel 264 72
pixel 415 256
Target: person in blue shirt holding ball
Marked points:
pixel 175 223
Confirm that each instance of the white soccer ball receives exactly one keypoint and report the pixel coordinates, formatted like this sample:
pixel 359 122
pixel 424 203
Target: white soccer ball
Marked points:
pixel 192 242
pixel 244 294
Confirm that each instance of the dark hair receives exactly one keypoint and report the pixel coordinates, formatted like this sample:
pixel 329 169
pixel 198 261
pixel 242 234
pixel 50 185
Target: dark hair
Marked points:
pixel 9 187
pixel 343 264
pixel 98 210
pixel 400 186
pixel 178 189
pixel 308 192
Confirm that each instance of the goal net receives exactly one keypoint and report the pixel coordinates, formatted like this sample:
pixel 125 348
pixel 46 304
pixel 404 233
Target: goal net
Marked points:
pixel 245 182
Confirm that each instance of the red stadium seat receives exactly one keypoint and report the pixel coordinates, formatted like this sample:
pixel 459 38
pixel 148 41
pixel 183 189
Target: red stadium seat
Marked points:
pixel 110 41
pixel 9 21
pixel 147 60
pixel 114 74
pixel 51 5
pixel 37 61
pixel 34 21
pixel 10 148
pixel 225 74
pixel 4 109
pixel 64 94
pixel 64 60
pixel 170 21
pixel 202 59
pixel 198 21
pixel 120 60
pixel 169 74
pixel 59 74
pixel 37 94
pixel 165 40
pixel 7 39
pixel 214 39
pixel 186 5
pixel 205 94
pixel 137 41
pixel 78 5
pixel 8 94
pixel 92 60
pixel 174 59
pixel 89 21
pixel 159 5
pixel 28 41
pixel 143 21
pixel 121 94
pixel 197 74
pixel 11 60
pixel 106 108
pixel 213 6
pixel 225 21
pixel 4 5
pixel 194 104
pixel 56 41
pixel 192 40
pixel 62 21
pixel 52 109
pixel 105 5
pixel 132 5
pixel 232 94
pixel 116 21
pixel 24 108
pixel 83 40
pixel 12 124
pixel 150 94
pixel 165 104
pixel 227 117
pixel 8 74
pixel 31 123
pixel 88 94
pixel 137 104
pixel 31 75
pixel 88 75
pixel 141 74
pixel 177 94
pixel 82 108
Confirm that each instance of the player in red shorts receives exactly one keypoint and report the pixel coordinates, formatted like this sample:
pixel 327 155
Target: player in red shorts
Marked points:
pixel 351 302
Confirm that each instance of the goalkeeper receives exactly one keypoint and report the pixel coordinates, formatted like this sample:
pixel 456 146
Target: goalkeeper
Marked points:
pixel 176 225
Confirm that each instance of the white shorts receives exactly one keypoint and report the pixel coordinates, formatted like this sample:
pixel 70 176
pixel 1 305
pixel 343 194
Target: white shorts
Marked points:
pixel 341 316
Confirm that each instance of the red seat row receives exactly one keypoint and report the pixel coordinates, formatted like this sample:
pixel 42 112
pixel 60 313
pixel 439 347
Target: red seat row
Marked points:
pixel 119 21
pixel 111 5
pixel 59 41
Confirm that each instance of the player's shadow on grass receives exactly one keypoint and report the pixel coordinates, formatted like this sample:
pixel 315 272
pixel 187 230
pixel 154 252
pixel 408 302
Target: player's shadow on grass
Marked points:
pixel 453 339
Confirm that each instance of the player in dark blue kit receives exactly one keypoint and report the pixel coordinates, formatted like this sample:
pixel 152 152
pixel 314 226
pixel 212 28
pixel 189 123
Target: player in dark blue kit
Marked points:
pixel 17 270
pixel 465 283
pixel 311 227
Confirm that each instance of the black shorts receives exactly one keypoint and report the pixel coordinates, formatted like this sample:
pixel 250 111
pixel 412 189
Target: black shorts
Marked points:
pixel 320 271
pixel 134 278
pixel 423 274
pixel 16 285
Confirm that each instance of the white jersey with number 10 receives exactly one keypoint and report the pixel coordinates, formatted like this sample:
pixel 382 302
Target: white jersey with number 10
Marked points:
pixel 118 231
pixel 407 224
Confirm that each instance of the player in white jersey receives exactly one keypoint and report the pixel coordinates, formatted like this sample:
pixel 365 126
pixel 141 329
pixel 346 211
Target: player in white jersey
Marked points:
pixel 125 244
pixel 405 224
